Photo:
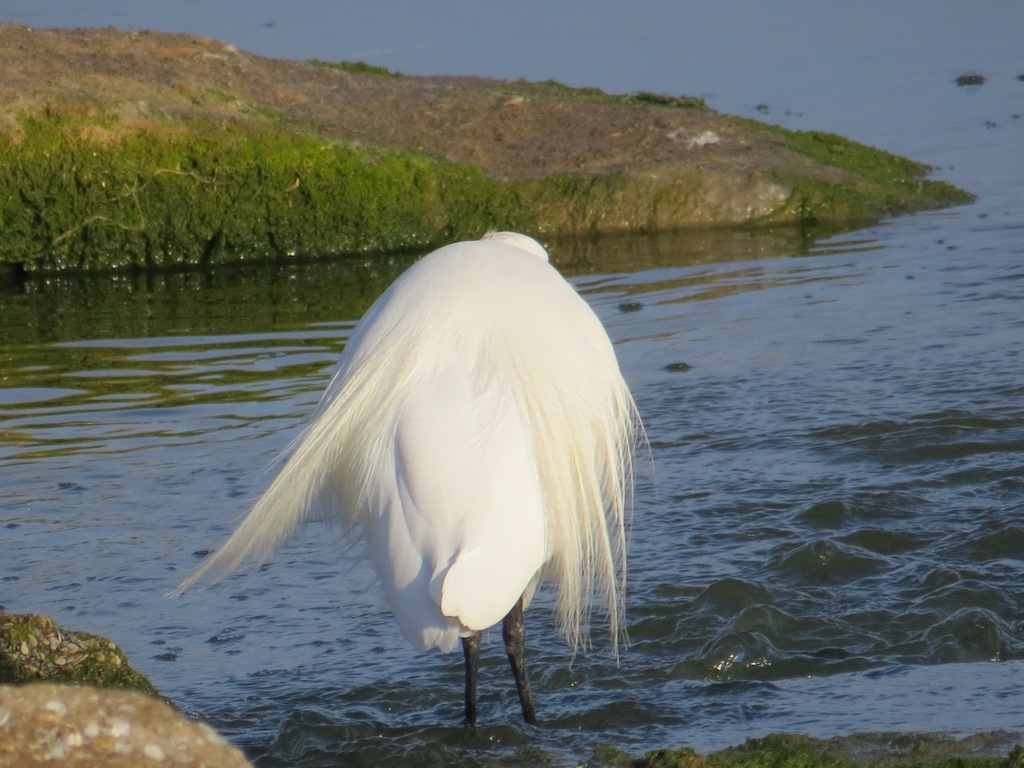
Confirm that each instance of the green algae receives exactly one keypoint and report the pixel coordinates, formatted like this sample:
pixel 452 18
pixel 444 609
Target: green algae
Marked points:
pixel 355 67
pixel 559 90
pixel 34 649
pixel 871 183
pixel 894 750
pixel 88 193
pixel 81 191
pixel 662 100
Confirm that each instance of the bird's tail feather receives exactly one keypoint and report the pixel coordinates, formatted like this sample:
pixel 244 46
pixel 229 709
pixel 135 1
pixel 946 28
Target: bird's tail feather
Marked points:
pixel 283 507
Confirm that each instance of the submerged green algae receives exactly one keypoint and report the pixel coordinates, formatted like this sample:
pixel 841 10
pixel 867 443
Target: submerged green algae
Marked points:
pixel 783 750
pixel 355 67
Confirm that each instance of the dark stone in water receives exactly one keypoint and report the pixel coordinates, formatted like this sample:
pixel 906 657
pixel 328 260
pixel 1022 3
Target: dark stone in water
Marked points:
pixel 970 79
pixel 678 367
pixel 225 637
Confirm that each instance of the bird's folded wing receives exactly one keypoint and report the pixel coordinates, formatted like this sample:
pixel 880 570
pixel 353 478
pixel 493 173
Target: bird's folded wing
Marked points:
pixel 468 522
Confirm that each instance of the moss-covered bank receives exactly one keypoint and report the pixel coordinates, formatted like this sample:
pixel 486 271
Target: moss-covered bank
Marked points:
pixel 143 149
pixel 89 192
pixel 86 192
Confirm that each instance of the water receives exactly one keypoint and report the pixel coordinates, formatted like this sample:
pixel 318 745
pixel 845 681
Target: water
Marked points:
pixel 828 535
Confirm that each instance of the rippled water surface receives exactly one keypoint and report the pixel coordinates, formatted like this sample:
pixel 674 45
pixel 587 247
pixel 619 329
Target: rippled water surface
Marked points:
pixel 827 536
pixel 829 529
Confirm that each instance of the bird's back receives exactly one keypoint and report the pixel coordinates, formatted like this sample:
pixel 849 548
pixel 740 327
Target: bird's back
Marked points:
pixel 505 444
pixel 478 431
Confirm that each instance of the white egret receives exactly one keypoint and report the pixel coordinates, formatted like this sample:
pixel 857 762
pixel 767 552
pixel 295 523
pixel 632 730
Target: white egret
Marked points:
pixel 478 435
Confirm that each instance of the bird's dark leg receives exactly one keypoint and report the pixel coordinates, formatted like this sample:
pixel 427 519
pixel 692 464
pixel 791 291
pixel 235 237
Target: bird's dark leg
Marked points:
pixel 514 635
pixel 471 650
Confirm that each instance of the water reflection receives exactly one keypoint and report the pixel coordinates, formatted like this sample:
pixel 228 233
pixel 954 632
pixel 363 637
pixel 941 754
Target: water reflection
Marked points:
pixel 79 347
pixel 243 299
pixel 608 254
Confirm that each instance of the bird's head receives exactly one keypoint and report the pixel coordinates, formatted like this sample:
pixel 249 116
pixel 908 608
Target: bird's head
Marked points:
pixel 522 242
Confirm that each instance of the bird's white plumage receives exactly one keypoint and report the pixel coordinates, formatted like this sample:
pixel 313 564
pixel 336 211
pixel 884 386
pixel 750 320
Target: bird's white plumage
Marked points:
pixel 478 434
pixel 466 508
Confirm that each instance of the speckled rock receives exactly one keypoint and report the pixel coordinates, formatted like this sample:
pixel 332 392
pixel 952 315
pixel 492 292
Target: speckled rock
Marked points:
pixel 45 724
pixel 33 648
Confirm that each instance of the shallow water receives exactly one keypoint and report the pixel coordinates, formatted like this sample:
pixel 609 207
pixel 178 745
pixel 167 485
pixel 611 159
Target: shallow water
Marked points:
pixel 828 535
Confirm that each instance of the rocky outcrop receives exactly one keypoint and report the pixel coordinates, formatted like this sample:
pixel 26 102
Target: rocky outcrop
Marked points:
pixel 33 648
pixel 140 149
pixel 44 724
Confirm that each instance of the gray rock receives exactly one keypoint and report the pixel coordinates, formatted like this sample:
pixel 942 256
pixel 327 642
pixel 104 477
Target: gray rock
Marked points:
pixel 46 724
